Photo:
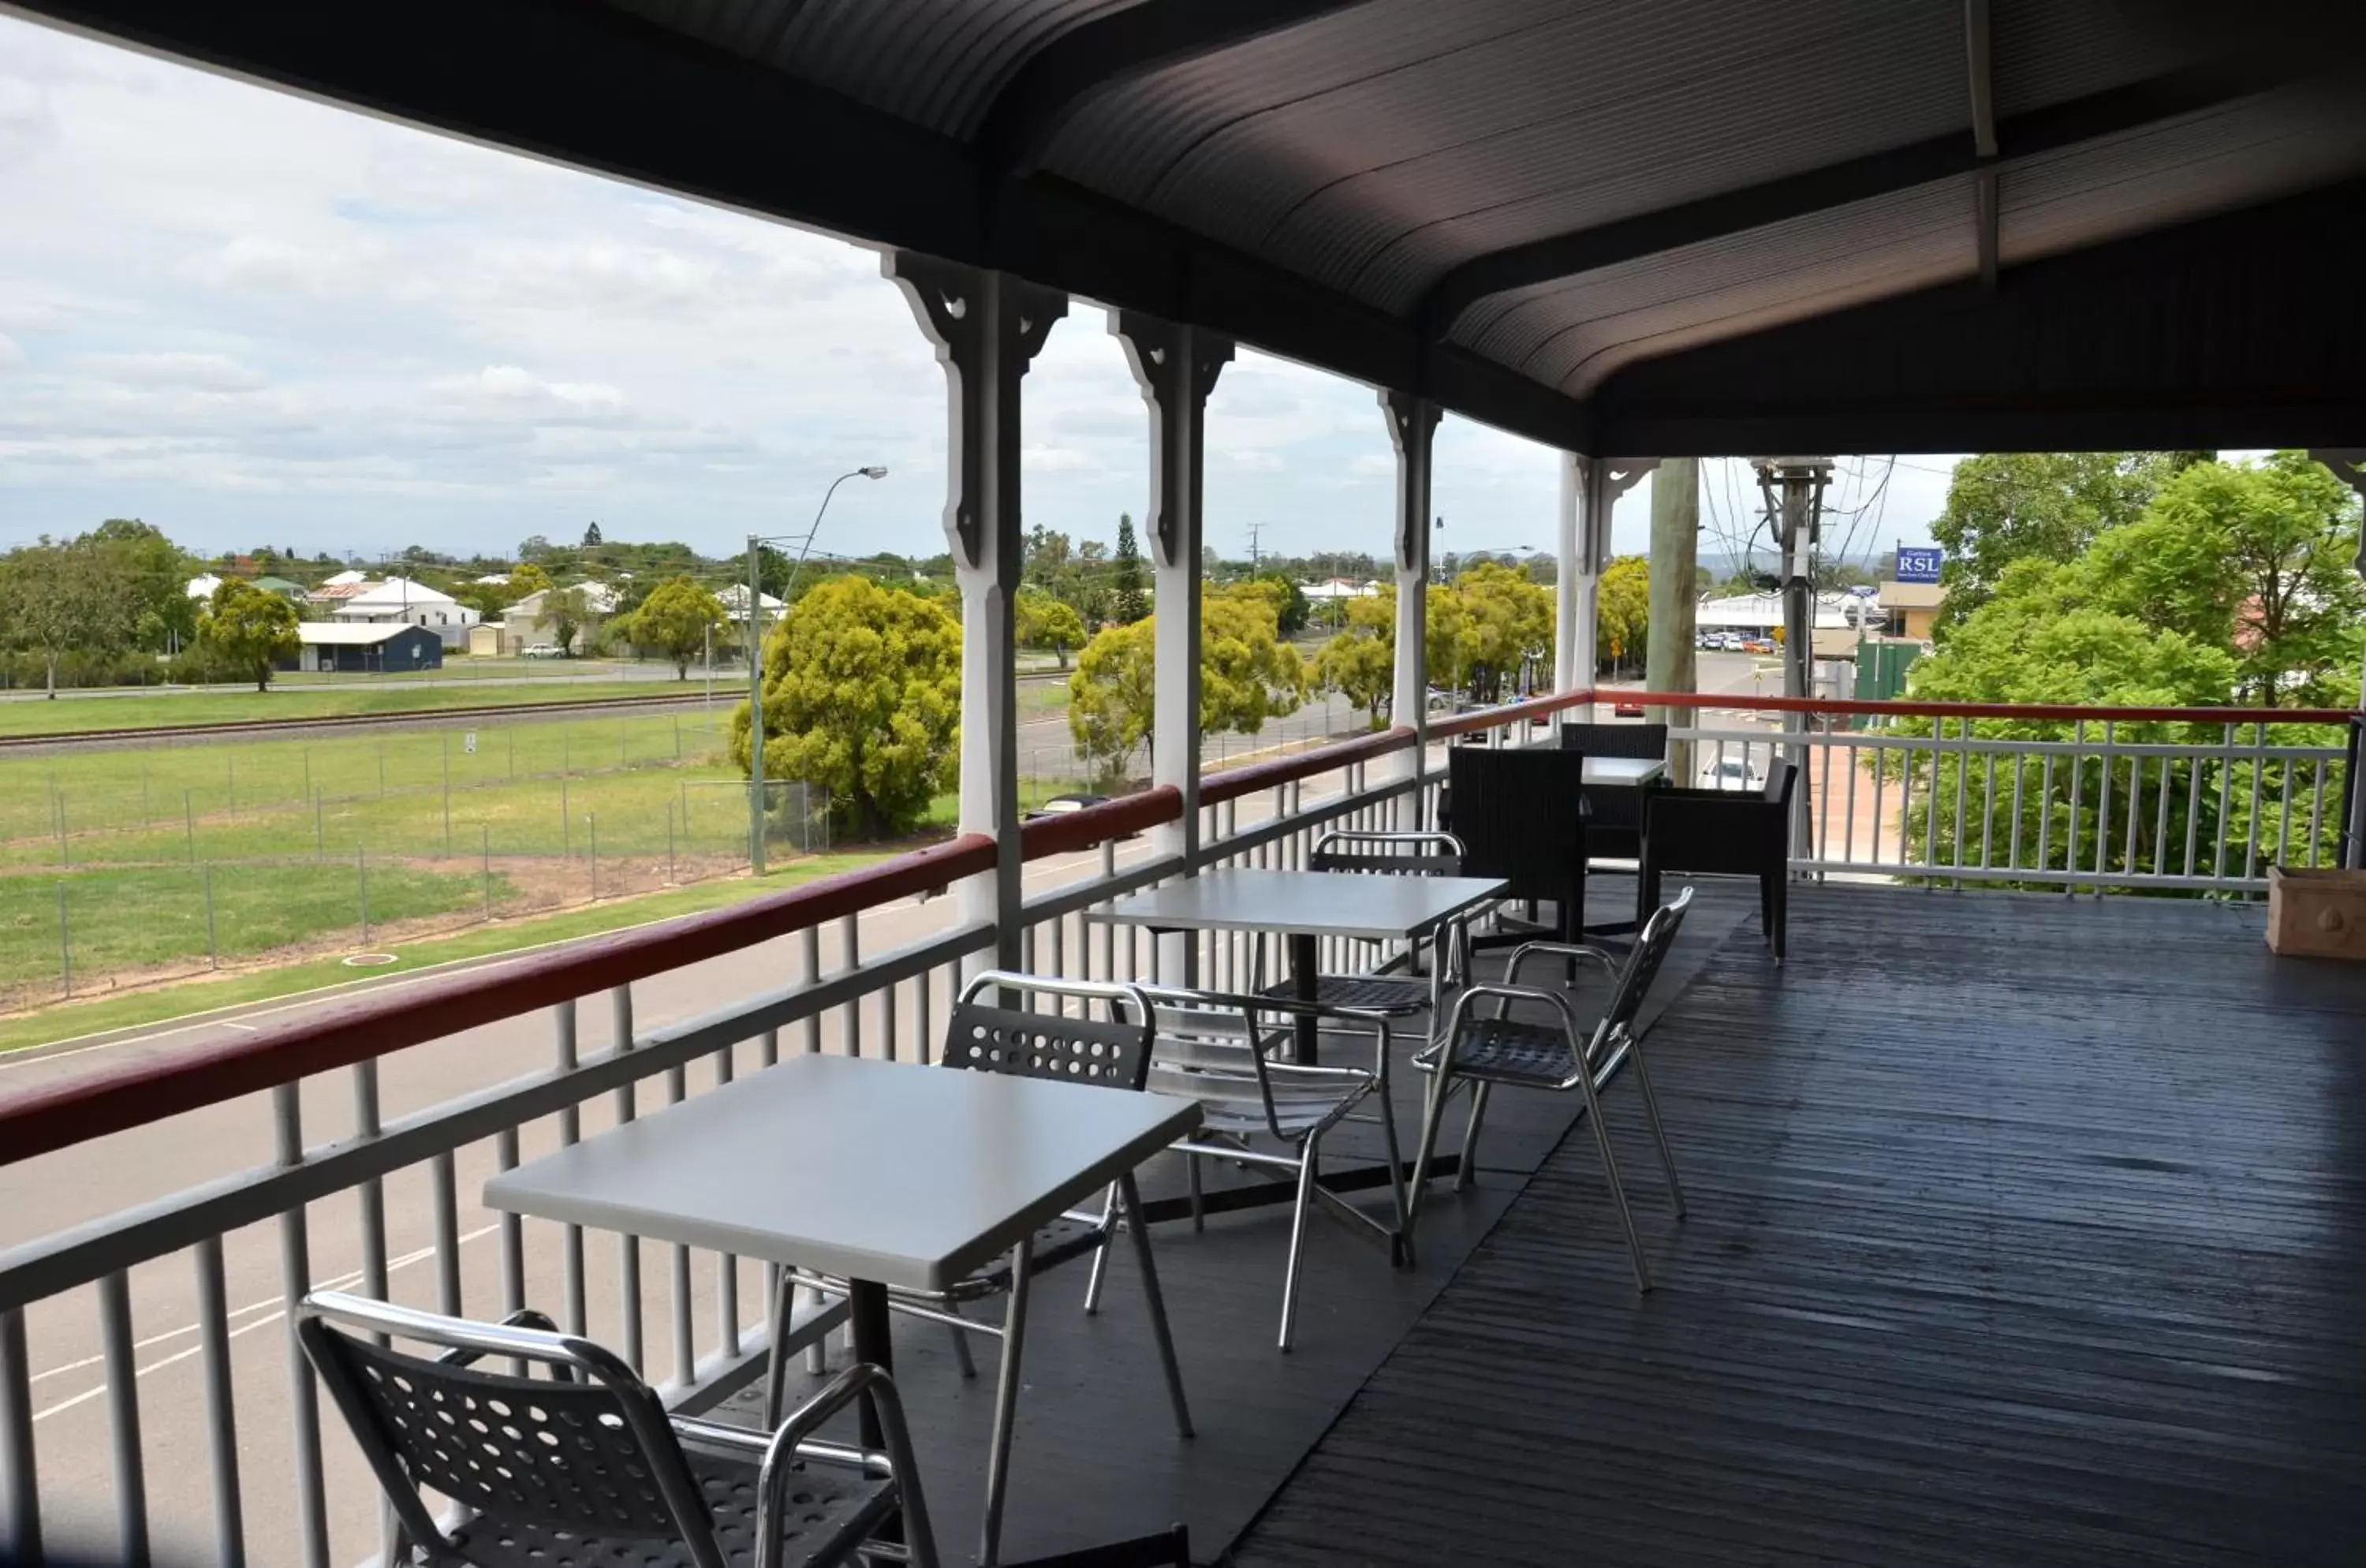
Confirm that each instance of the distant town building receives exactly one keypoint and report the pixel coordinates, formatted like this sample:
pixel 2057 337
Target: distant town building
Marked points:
pixel 399 600
pixel 364 648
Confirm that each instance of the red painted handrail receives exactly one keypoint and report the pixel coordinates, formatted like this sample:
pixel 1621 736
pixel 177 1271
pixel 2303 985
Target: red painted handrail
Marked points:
pixel 1075 830
pixel 1895 709
pixel 1488 718
pixel 1234 783
pixel 114 1099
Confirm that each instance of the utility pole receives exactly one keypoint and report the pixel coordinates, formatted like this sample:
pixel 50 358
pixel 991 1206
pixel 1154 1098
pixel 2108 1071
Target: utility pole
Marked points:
pixel 1256 555
pixel 1670 662
pixel 1794 488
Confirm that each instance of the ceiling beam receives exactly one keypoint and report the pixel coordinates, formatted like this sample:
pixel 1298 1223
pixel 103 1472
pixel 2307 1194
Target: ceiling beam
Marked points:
pixel 1085 63
pixel 1986 194
pixel 2020 138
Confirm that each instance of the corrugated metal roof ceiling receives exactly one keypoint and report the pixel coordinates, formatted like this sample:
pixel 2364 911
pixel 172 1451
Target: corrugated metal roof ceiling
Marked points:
pixel 936 62
pixel 1390 158
pixel 1375 146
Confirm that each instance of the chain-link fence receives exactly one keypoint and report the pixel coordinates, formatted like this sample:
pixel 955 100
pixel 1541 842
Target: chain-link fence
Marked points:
pixel 123 868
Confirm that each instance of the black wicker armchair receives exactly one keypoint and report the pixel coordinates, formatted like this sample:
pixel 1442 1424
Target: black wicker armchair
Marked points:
pixel 1725 832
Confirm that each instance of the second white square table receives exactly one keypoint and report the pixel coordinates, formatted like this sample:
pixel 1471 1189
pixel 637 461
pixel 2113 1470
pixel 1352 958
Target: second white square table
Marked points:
pixel 1303 906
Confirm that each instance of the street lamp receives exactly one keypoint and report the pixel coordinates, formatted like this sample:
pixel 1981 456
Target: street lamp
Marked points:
pixel 756 650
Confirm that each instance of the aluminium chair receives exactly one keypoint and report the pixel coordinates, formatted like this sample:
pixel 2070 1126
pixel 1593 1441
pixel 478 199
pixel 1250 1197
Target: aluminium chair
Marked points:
pixel 1483 1050
pixel 984 1035
pixel 583 1468
pixel 1215 1049
pixel 1726 832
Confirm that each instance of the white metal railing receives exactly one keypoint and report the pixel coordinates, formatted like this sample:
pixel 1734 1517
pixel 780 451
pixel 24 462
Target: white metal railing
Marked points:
pixel 150 1396
pixel 2110 806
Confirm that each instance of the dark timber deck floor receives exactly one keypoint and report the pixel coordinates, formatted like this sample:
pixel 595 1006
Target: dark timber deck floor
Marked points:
pixel 2024 1230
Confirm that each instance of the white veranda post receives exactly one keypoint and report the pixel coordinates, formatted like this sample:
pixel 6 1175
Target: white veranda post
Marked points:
pixel 986 328
pixel 1590 486
pixel 1175 366
pixel 1413 427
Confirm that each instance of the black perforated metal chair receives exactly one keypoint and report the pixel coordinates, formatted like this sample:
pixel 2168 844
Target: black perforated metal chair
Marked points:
pixel 986 1035
pixel 1484 1050
pixel 583 1468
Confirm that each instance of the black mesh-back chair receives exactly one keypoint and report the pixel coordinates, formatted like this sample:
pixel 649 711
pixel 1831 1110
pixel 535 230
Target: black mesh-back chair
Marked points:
pixel 1614 825
pixel 1484 1050
pixel 1722 832
pixel 582 1467
pixel 1521 816
pixel 986 1035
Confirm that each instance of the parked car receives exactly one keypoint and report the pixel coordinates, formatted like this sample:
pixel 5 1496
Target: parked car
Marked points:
pixel 1731 772
pixel 1066 805
pixel 1626 708
pixel 1758 645
pixel 542 650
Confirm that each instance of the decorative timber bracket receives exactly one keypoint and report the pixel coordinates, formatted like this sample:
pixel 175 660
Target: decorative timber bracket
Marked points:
pixel 986 328
pixel 1413 422
pixel 1175 366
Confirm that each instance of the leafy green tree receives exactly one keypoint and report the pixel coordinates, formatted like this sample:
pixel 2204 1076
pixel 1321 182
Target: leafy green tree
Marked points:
pixel 156 574
pixel 2256 559
pixel 1622 621
pixel 676 619
pixel 1361 666
pixel 1291 608
pixel 1506 623
pixel 1247 674
pixel 61 600
pixel 862 696
pixel 591 536
pixel 2049 506
pixel 568 611
pixel 1127 601
pixel 1048 624
pixel 249 630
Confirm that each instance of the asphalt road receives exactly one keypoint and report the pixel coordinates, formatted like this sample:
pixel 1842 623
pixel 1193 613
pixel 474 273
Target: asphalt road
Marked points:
pixel 54 1193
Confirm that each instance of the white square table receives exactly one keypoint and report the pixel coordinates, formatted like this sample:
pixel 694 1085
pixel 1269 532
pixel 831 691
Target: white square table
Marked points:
pixel 1303 906
pixel 881 1173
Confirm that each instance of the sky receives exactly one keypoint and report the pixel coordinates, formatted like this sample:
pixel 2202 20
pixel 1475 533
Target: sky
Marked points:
pixel 253 320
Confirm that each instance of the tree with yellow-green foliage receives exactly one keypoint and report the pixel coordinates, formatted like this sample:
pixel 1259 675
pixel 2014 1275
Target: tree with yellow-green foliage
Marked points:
pixel 676 619
pixel 1247 674
pixel 1622 623
pixel 862 696
pixel 1048 624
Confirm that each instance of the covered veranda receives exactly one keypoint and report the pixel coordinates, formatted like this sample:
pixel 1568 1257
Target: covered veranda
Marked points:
pixel 2018 1244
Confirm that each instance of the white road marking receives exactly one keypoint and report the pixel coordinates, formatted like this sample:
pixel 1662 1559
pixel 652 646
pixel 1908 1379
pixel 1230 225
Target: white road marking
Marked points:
pixel 277 1311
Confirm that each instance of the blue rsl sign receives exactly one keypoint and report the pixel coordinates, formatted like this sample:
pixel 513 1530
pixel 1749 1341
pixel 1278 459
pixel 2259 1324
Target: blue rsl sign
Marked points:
pixel 1917 563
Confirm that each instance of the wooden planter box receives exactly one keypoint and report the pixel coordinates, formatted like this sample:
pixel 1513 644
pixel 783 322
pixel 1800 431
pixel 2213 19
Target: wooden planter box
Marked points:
pixel 2316 914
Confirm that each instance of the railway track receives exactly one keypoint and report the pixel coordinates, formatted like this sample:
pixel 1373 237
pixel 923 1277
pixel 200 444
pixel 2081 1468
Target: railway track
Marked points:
pixel 149 735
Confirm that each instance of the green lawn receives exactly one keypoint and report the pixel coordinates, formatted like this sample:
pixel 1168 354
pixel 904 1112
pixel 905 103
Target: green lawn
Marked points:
pixel 132 1010
pixel 532 783
pixel 156 917
pixel 164 710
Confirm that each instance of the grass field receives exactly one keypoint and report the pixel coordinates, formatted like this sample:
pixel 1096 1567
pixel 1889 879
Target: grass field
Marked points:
pixel 166 710
pixel 205 992
pixel 433 831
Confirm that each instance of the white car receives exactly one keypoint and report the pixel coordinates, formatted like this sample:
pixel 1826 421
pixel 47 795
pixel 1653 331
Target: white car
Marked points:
pixel 1731 772
pixel 542 650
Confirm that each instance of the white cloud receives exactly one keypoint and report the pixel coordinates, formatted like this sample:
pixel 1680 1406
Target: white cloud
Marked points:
pixel 207 372
pixel 241 314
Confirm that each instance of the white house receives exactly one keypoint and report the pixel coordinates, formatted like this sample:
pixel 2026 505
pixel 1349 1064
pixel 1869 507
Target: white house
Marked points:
pixel 399 600
pixel 203 586
pixel 529 621
pixel 1339 588
pixel 735 603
